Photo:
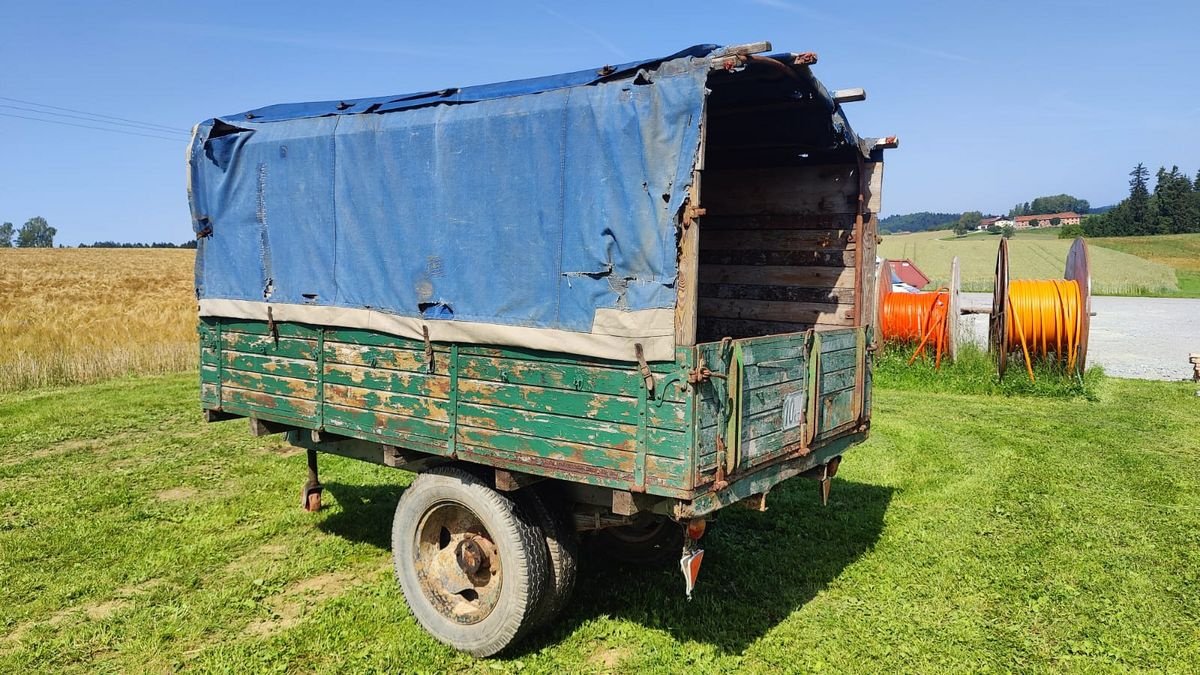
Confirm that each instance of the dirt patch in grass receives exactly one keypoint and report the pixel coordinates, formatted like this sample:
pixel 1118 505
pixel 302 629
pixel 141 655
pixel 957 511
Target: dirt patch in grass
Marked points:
pixel 289 607
pixel 176 494
pixel 608 659
pixel 121 599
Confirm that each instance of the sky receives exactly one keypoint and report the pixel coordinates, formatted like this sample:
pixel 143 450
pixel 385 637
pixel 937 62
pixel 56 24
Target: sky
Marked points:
pixel 994 103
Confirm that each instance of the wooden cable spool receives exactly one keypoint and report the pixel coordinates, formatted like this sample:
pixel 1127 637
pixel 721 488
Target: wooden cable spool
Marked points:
pixel 925 318
pixel 1057 315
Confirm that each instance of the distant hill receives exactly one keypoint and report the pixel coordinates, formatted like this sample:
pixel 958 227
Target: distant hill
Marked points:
pixel 918 222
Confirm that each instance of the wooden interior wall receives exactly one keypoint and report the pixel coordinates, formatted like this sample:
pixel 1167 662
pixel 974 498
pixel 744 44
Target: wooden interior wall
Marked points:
pixel 777 249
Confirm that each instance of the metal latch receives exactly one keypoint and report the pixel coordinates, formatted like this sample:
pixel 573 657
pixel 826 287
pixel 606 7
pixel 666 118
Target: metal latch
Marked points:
pixel 644 369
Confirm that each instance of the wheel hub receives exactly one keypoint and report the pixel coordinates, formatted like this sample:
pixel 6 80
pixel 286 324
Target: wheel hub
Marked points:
pixel 457 563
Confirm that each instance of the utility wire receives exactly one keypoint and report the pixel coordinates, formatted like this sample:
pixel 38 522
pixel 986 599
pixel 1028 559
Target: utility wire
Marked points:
pixel 161 127
pixel 87 119
pixel 86 126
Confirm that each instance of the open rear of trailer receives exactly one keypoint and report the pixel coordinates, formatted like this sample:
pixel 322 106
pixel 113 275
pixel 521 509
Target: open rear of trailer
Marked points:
pixel 607 302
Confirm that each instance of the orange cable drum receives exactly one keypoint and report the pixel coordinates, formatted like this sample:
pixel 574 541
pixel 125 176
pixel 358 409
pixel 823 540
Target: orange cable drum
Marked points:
pixel 1042 318
pixel 1046 318
pixel 922 318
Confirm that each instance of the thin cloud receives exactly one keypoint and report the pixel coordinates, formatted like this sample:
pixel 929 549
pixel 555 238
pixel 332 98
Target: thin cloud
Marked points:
pixel 600 39
pixel 797 8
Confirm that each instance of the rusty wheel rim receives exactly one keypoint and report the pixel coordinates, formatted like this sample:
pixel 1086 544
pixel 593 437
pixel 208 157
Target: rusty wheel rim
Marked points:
pixel 458 564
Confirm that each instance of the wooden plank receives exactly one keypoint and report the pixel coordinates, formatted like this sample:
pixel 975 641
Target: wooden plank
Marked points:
pixel 715 328
pixel 767 397
pixel 570 403
pixel 819 189
pixel 571 429
pixel 777 240
pixel 376 356
pixel 821 277
pixel 559 358
pixel 269 406
pixel 543 448
pixel 270 365
pixel 743 222
pixel 817 258
pixel 371 338
pixel 387 427
pixel 292 348
pixel 832 382
pixel 839 360
pixel 764 310
pixel 837 340
pixel 421 407
pixel 848 95
pixel 837 296
pixel 624 382
pixel 270 384
pixel 262 328
pixel 834 410
pixel 387 380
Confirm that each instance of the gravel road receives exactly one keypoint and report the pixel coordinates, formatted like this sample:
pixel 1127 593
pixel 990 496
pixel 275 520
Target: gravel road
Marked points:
pixel 1146 338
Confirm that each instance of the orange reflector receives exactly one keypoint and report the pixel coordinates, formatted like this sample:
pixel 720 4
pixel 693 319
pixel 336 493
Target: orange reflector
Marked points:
pixel 695 528
pixel 690 566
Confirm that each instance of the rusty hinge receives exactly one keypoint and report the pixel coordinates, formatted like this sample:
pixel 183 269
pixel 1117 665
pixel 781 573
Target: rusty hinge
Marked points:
pixel 701 374
pixel 693 213
pixel 644 369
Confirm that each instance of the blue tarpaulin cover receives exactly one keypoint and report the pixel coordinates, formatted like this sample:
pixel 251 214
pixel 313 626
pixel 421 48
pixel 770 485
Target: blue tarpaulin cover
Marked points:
pixel 538 213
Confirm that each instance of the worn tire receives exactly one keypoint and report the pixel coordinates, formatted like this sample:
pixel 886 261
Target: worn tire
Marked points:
pixel 518 543
pixel 654 540
pixel 562 547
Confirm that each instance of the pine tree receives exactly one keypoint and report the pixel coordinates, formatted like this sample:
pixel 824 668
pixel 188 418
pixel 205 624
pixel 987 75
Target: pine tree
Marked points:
pixel 1139 200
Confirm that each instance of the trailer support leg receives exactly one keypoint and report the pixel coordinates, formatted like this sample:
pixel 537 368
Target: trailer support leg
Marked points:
pixel 310 494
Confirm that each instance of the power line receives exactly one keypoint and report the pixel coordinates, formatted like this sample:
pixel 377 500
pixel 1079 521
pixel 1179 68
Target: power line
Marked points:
pixel 86 126
pixel 162 127
pixel 85 119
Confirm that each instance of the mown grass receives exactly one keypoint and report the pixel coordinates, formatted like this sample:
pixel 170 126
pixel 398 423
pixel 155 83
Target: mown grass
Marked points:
pixel 83 315
pixel 1113 272
pixel 970 533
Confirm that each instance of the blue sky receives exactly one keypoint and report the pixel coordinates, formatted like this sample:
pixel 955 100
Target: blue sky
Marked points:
pixel 994 103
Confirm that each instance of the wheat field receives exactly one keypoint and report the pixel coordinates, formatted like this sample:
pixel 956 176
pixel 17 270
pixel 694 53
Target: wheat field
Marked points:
pixel 1113 272
pixel 69 316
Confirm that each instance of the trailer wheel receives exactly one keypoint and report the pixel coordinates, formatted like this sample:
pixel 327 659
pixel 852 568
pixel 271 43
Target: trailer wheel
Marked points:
pixel 472 565
pixel 562 545
pixel 650 540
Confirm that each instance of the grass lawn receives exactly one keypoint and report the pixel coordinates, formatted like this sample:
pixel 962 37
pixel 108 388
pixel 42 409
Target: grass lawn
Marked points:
pixel 972 532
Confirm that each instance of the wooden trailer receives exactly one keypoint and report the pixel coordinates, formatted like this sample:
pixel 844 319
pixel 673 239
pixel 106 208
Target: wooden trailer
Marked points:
pixel 525 442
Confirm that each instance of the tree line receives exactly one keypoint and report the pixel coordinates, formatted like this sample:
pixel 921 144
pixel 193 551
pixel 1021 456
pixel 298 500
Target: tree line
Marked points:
pixel 1172 208
pixel 158 244
pixel 35 233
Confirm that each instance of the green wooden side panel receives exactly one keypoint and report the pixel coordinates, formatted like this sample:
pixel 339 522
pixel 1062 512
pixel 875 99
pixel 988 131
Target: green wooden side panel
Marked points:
pixel 579 419
pixel 780 380
pixel 842 357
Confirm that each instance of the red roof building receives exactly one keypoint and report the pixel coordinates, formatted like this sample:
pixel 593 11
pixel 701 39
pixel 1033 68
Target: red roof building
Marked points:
pixel 1044 219
pixel 909 273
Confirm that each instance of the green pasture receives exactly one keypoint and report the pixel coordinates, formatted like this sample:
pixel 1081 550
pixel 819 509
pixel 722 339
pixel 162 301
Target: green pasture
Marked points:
pixel 972 532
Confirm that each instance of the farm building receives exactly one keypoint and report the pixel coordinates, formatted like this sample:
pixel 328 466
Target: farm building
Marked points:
pixel 1047 220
